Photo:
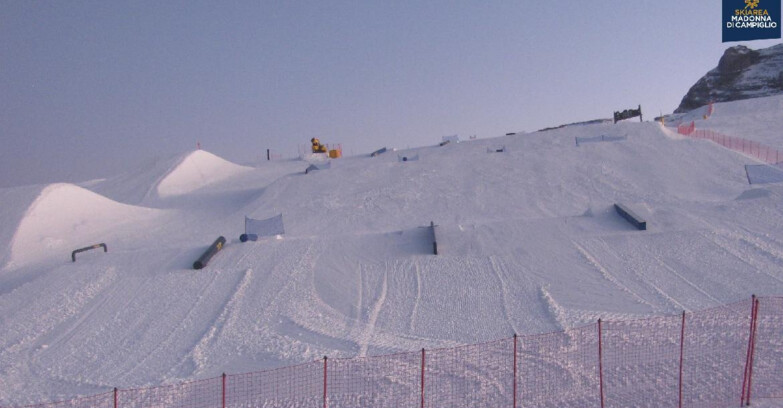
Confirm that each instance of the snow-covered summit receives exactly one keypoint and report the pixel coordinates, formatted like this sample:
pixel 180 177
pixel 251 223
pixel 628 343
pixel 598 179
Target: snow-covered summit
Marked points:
pixel 741 73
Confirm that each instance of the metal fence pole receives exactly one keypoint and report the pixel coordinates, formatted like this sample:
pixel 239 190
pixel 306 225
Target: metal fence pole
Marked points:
pixel 753 348
pixel 422 376
pixel 515 372
pixel 600 365
pixel 223 388
pixel 325 376
pixel 682 352
pixel 750 343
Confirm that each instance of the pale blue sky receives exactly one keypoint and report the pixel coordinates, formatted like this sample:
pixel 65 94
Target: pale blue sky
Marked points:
pixel 94 88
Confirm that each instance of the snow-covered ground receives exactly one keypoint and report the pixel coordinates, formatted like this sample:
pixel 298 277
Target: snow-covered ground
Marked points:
pixel 745 119
pixel 528 239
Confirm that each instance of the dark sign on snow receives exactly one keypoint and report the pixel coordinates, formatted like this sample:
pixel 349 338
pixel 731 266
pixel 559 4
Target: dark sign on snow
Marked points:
pixel 627 114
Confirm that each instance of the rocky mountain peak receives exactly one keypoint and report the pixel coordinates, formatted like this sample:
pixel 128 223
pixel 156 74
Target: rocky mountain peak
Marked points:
pixel 742 73
pixel 736 59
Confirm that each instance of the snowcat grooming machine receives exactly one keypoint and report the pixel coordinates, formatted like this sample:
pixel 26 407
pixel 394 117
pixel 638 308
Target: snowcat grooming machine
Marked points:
pixel 317 146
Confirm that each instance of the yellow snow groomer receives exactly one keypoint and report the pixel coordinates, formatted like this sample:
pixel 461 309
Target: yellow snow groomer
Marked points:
pixel 317 146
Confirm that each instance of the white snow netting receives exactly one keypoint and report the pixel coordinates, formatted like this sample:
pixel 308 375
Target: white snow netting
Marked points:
pixel 763 174
pixel 265 228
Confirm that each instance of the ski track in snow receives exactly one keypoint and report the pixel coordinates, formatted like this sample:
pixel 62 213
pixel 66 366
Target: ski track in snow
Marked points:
pixel 640 275
pixel 228 312
pixel 657 260
pixel 681 277
pixel 606 274
pixel 359 296
pixel 774 256
pixel 102 297
pixel 501 273
pixel 82 308
pixel 366 336
pixel 282 273
pixel 174 333
pixel 714 238
pixel 417 300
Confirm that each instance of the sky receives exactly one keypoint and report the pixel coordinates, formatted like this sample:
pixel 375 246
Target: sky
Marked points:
pixel 126 83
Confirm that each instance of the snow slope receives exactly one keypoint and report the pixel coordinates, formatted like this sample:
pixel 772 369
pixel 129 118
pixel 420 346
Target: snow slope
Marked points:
pixel 753 119
pixel 65 216
pixel 528 243
pixel 196 170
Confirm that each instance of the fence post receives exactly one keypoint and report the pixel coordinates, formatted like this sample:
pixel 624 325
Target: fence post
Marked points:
pixel 223 388
pixel 515 372
pixel 325 376
pixel 750 342
pixel 422 377
pixel 753 348
pixel 682 352
pixel 600 365
pixel 116 399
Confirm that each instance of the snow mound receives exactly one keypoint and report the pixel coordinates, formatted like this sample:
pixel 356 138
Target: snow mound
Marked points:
pixel 137 186
pixel 196 170
pixel 65 217
pixel 14 201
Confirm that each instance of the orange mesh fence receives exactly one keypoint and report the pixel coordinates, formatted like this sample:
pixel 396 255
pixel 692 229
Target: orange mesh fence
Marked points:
pixel 719 357
pixel 750 148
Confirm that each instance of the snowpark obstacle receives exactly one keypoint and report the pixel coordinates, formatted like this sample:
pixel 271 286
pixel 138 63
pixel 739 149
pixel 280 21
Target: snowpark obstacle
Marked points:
pixel 627 114
pixel 378 152
pixel 408 158
pixel 248 237
pixel 272 156
pixel 434 238
pixel 262 228
pixel 209 253
pixel 496 149
pixel 96 246
pixel 631 217
pixel 602 138
pixel 450 139
pixel 320 166
pixel 763 174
